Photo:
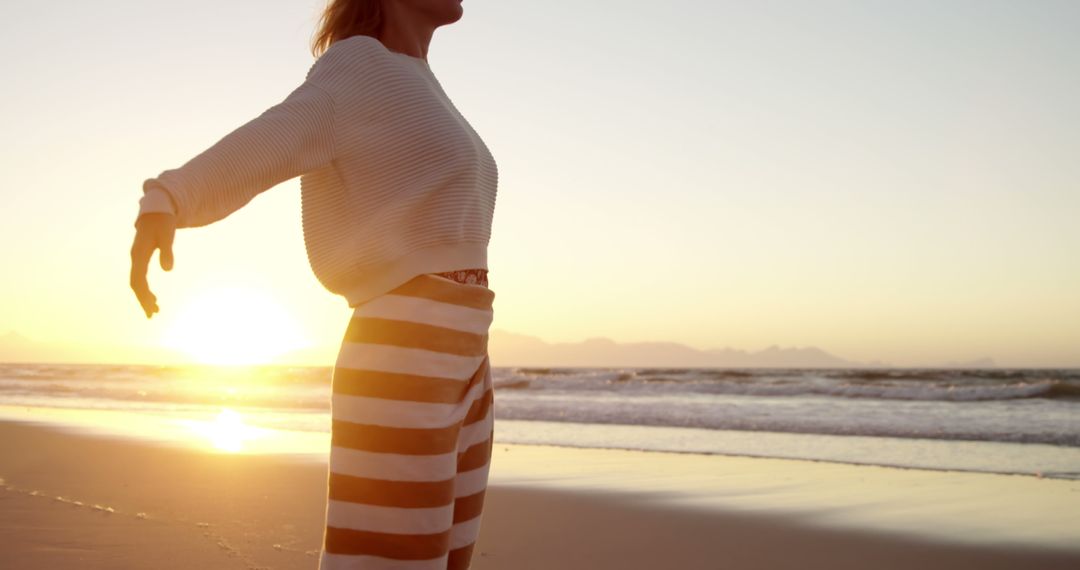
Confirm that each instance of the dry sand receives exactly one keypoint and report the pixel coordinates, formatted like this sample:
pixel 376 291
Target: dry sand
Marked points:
pixel 76 501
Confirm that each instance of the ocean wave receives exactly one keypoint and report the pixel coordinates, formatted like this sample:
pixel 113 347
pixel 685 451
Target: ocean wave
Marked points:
pixel 997 421
pixel 308 387
pixel 946 386
pixel 1026 406
pixel 545 371
pixel 924 392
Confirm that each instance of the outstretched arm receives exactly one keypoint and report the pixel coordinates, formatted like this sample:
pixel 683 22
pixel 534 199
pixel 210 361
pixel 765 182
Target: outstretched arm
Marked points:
pixel 287 140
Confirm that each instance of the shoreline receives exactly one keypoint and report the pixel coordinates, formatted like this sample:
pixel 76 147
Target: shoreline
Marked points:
pixel 603 508
pixel 948 456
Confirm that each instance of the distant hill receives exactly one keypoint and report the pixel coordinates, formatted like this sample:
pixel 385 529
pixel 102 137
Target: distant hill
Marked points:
pixel 512 349
pixel 15 347
pixel 507 349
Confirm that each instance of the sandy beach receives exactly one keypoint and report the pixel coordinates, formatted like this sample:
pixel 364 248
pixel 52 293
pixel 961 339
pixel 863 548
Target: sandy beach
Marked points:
pixel 78 501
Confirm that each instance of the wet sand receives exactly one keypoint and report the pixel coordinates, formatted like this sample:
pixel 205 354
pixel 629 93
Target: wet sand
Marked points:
pixel 72 500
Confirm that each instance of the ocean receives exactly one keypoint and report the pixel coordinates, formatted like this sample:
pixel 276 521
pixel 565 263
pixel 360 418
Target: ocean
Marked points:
pixel 1019 421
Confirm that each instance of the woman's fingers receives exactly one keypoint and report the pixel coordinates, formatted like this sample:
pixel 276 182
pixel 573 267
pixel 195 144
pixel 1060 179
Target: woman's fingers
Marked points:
pixel 141 251
pixel 153 231
pixel 165 242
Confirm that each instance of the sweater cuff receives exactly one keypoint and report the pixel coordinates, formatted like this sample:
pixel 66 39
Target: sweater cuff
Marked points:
pixel 156 200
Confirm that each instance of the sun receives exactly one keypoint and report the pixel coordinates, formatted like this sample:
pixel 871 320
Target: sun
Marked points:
pixel 234 325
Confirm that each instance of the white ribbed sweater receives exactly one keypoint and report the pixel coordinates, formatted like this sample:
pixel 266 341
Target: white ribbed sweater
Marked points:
pixel 394 181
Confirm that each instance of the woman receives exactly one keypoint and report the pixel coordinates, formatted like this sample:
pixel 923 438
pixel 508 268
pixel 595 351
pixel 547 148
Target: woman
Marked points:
pixel 397 195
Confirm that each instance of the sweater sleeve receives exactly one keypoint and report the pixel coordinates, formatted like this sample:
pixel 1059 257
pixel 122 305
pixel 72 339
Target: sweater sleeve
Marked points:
pixel 156 200
pixel 292 137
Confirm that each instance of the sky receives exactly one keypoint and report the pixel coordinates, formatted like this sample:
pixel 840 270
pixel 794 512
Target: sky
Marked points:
pixel 882 180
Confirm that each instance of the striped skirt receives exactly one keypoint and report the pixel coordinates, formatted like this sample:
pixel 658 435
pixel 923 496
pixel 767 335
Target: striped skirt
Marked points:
pixel 413 426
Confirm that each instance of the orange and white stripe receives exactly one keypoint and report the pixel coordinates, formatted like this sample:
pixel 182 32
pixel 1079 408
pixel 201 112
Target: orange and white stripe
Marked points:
pixel 413 426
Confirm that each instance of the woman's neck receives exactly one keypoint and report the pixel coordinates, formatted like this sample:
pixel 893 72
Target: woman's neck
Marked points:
pixel 406 32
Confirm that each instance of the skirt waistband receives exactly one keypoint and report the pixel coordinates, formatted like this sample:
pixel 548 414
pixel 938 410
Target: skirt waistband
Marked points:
pixel 475 276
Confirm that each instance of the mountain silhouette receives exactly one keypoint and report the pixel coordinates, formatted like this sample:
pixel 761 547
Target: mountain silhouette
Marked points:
pixel 513 349
pixel 506 349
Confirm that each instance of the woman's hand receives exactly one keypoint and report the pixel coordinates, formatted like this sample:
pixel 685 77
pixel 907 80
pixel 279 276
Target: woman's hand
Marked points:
pixel 153 231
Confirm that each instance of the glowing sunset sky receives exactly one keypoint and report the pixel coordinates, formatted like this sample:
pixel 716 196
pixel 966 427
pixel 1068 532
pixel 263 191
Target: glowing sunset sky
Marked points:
pixel 883 180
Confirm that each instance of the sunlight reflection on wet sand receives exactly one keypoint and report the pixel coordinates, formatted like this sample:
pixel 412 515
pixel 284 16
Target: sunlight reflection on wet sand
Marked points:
pixel 225 432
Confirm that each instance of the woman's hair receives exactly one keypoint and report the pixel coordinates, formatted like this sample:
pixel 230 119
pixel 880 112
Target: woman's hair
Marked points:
pixel 346 18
